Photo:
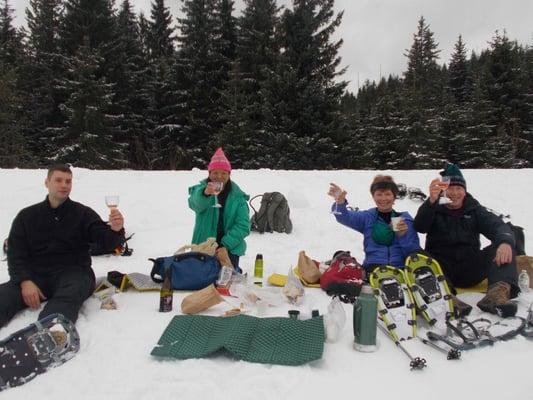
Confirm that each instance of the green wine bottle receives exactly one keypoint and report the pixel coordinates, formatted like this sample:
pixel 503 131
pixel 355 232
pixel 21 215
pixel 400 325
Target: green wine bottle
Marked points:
pixel 166 295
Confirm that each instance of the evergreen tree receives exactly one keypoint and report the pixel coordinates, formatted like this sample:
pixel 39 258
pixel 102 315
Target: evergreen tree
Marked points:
pixel 203 69
pixel 89 23
pixel 256 52
pixel 424 85
pixel 385 125
pixel 228 30
pixel 160 33
pixel 10 37
pixel 502 81
pixel 422 67
pixel 302 108
pixel 134 94
pixel 39 72
pixel 87 139
pixel 13 151
pixel 162 145
pixel 460 79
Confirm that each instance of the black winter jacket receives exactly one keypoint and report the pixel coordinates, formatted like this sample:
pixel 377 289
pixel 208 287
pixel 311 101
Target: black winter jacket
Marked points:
pixel 454 237
pixel 44 240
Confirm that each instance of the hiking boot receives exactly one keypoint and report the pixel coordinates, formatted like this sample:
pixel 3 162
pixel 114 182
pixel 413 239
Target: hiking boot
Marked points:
pixel 461 309
pixel 60 337
pixel 496 301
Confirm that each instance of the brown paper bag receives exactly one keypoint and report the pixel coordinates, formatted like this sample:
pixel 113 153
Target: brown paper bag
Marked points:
pixel 201 300
pixel 308 268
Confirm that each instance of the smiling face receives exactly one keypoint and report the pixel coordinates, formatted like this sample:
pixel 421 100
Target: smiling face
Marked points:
pixel 219 175
pixel 384 199
pixel 59 185
pixel 457 195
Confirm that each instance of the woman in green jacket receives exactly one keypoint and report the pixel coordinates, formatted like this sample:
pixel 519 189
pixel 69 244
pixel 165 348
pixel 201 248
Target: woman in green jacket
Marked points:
pixel 220 212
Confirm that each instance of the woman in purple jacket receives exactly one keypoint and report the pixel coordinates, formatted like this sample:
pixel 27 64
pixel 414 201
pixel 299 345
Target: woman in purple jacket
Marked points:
pixel 382 244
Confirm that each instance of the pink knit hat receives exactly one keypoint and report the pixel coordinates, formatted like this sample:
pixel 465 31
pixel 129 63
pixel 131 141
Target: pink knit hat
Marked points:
pixel 219 161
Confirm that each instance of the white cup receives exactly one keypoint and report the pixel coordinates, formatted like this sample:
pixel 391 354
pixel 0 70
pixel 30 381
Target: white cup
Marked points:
pixel 395 221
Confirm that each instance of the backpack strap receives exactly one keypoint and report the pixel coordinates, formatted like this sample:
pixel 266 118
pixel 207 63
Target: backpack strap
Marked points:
pixel 160 267
pixel 250 202
pixel 258 219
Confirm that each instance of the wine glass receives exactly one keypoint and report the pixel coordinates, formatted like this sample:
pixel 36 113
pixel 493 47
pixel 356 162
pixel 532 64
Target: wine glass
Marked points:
pixel 444 184
pixel 335 192
pixel 112 201
pixel 217 187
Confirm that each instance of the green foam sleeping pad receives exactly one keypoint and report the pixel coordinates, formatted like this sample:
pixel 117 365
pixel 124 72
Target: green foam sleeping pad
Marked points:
pixel 282 341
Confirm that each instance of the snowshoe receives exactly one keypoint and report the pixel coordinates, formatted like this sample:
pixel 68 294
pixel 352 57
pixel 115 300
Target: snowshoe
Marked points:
pixel 35 349
pixel 402 191
pixel 528 328
pixel 416 194
pixel 429 287
pixel 466 335
pixel 396 307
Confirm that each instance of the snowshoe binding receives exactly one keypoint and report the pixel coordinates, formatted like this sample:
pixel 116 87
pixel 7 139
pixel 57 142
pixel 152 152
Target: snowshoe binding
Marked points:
pixel 430 290
pixel 33 350
pixel 396 306
pixel 467 335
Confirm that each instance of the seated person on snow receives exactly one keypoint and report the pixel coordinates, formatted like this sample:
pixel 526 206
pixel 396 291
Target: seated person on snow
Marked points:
pixel 453 238
pixel 48 251
pixel 382 245
pixel 227 220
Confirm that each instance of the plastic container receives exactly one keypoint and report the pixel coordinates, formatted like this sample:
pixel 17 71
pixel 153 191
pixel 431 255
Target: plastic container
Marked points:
pixel 523 281
pixel 224 277
pixel 365 314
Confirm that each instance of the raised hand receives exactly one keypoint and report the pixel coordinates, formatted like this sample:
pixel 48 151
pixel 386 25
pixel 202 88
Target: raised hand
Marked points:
pixel 116 220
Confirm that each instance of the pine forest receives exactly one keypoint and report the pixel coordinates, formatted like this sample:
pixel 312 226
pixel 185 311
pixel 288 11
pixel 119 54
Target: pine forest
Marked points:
pixel 92 83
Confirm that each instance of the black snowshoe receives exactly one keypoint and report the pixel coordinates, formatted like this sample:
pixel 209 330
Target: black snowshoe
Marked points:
pixel 35 349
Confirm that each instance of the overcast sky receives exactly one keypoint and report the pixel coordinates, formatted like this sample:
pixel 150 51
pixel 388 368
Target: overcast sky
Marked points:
pixel 377 32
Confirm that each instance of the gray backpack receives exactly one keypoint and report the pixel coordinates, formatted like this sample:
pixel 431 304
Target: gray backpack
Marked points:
pixel 273 215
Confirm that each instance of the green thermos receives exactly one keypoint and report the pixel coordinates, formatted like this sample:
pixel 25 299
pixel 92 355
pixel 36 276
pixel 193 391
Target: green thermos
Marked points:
pixel 365 314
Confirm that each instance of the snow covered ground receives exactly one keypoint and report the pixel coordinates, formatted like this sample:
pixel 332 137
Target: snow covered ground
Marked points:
pixel 114 360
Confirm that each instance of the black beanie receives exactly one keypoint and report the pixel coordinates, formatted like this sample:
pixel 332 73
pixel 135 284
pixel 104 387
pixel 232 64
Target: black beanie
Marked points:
pixel 456 177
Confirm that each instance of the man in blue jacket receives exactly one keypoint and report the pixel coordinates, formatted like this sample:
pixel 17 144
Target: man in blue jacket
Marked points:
pixel 48 251
pixel 453 237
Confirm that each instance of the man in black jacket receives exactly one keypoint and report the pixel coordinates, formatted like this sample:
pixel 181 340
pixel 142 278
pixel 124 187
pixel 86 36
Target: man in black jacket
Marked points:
pixel 48 251
pixel 453 238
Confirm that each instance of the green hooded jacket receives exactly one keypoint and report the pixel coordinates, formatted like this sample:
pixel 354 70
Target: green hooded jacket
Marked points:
pixel 236 217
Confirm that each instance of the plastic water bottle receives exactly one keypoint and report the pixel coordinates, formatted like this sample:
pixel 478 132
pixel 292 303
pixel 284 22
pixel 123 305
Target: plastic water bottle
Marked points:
pixel 523 281
pixel 365 318
pixel 258 270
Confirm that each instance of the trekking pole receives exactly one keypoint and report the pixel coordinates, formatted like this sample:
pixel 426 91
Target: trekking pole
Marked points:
pixel 416 362
pixel 452 354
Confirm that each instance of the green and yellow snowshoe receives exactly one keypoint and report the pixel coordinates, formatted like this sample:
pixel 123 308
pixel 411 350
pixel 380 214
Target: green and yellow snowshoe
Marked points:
pixel 430 290
pixel 396 306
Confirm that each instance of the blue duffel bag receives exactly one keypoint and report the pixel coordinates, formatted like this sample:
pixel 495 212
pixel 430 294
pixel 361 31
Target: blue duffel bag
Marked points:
pixel 189 271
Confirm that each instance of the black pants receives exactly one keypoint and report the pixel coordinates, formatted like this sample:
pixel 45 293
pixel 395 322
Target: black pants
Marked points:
pixel 65 293
pixel 235 261
pixel 471 272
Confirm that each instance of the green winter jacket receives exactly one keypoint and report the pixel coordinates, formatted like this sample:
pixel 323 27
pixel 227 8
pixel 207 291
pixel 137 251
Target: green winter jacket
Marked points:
pixel 236 217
